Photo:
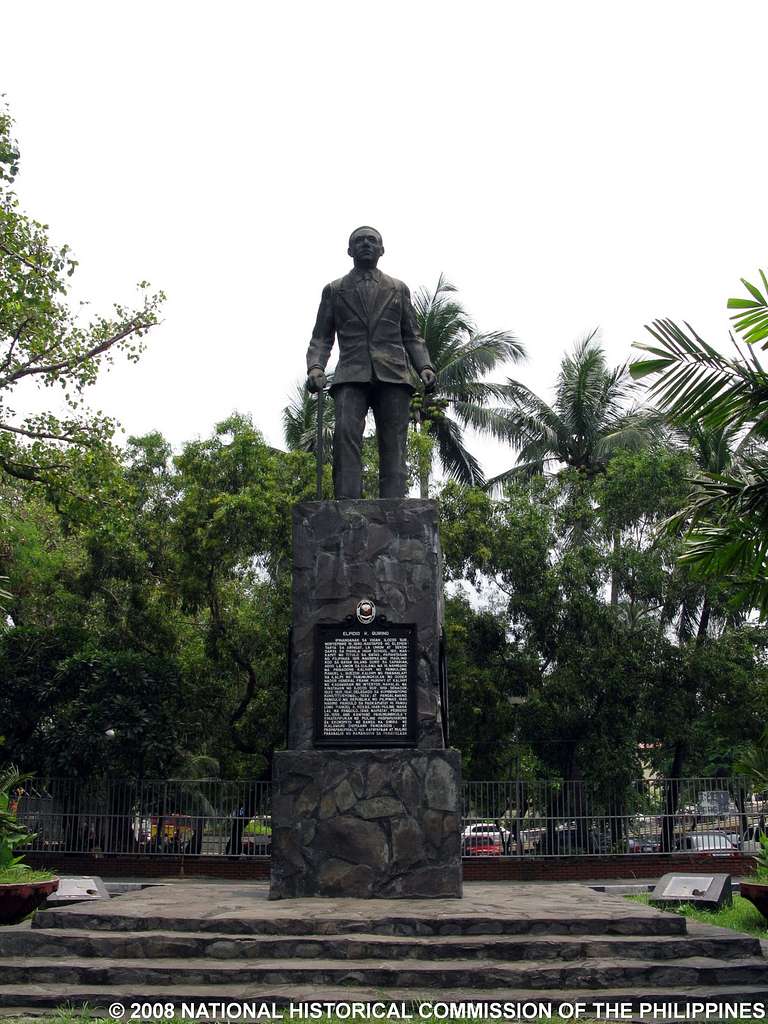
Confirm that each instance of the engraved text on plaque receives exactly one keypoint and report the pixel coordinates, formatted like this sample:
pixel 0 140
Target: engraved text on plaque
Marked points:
pixel 365 692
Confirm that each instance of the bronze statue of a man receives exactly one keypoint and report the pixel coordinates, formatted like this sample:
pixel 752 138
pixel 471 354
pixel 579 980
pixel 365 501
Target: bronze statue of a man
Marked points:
pixel 372 317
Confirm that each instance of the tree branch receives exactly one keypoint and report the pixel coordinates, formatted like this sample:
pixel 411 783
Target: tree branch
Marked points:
pixel 27 263
pixel 14 342
pixel 70 364
pixel 26 472
pixel 38 435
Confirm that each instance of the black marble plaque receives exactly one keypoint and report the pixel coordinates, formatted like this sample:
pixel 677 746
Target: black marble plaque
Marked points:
pixel 365 685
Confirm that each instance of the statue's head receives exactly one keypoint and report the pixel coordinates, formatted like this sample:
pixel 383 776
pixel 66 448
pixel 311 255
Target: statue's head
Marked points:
pixel 366 246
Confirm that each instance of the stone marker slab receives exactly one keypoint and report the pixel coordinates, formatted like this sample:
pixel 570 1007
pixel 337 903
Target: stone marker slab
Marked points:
pixel 366 823
pixel 78 889
pixel 707 892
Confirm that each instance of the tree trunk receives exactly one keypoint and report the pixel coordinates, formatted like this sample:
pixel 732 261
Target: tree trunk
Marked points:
pixel 701 632
pixel 423 480
pixel 671 797
pixel 614 569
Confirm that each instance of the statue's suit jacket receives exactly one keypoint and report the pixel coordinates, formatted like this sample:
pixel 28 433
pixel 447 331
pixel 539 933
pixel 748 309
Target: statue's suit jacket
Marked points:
pixel 378 338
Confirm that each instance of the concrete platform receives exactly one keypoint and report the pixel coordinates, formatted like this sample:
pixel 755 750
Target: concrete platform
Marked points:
pixel 486 908
pixel 197 942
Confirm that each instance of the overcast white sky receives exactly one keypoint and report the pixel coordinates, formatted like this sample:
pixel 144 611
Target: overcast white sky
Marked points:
pixel 566 164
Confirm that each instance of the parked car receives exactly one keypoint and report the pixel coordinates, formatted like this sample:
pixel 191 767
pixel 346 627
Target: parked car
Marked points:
pixel 714 843
pixel 643 844
pixel 482 845
pixel 572 841
pixel 750 841
pixel 484 828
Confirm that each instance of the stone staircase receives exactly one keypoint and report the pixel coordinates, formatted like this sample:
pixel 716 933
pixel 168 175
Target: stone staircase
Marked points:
pixel 501 943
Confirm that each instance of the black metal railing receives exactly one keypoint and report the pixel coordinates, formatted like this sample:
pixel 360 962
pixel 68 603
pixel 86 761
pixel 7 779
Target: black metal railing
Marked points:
pixel 519 818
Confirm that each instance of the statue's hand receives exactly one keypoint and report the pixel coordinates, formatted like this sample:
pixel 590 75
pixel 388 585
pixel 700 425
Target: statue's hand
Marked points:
pixel 428 378
pixel 316 379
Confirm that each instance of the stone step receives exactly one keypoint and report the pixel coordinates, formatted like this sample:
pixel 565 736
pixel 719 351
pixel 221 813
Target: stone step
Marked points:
pixel 412 924
pixel 20 998
pixel 50 943
pixel 469 974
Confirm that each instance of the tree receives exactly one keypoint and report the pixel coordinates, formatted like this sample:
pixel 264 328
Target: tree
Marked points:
pixel 45 342
pixel 232 535
pixel 601 679
pixel 300 422
pixel 753 762
pixel 461 356
pixel 588 422
pixel 725 516
pixel 487 677
pixel 154 635
pixel 580 667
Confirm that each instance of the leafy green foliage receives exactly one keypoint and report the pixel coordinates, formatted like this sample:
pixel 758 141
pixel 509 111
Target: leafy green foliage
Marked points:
pixel 155 632
pixel 588 422
pixel 300 422
pixel 753 761
pixel 725 515
pixel 695 381
pixel 20 873
pixel 44 342
pixel 461 356
pixel 752 321
pixel 12 835
pixel 667 664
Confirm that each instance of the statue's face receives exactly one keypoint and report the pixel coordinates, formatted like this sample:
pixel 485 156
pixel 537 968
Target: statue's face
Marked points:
pixel 365 247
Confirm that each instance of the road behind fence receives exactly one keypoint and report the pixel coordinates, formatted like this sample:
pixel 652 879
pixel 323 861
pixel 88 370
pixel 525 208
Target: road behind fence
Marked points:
pixel 519 818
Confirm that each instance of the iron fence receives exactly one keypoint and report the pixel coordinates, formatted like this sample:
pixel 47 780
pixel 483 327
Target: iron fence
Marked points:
pixel 170 817
pixel 712 816
pixel 519 818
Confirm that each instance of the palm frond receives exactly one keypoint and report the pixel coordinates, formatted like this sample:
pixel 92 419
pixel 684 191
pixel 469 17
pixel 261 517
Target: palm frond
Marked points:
pixel 521 471
pixel 478 355
pixel 461 356
pixel 588 392
pixel 752 321
pixel 479 392
pixel 300 422
pixel 694 380
pixel 494 422
pixel 456 459
pixel 631 432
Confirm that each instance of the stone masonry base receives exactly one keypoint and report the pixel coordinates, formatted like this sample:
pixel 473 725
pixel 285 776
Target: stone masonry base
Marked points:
pixel 366 823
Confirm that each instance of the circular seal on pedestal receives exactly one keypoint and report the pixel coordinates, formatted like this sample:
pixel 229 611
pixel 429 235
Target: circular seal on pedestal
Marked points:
pixel 365 611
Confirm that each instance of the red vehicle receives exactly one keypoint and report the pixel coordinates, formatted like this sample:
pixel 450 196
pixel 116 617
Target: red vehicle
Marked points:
pixel 488 845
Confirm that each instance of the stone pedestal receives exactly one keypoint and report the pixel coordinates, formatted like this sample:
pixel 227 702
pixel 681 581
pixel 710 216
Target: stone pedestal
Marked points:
pixel 386 550
pixel 355 819
pixel 366 823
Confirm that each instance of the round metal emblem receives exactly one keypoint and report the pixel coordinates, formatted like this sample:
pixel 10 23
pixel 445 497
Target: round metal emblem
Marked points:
pixel 365 611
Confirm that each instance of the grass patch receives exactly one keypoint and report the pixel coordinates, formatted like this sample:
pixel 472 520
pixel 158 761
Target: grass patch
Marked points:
pixel 19 873
pixel 743 916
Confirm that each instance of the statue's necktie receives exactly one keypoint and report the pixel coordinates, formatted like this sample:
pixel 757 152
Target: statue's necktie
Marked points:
pixel 367 286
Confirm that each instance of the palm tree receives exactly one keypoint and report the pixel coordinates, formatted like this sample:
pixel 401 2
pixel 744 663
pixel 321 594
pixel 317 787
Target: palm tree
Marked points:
pixel 461 355
pixel 726 515
pixel 300 423
pixel 587 423
pixel 715 451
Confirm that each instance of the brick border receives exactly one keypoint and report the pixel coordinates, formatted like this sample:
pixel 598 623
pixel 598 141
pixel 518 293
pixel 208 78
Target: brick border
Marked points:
pixel 475 869
pixel 578 869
